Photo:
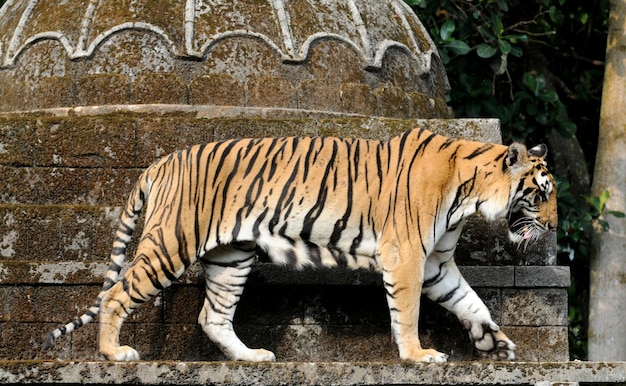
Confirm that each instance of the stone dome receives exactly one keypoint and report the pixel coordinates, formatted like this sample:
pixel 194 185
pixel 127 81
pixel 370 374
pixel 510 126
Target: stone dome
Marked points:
pixel 371 58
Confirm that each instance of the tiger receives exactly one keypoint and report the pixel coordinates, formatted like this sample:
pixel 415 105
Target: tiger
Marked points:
pixel 396 206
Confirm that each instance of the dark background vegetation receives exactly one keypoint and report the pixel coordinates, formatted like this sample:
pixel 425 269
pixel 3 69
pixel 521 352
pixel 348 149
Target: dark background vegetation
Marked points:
pixel 538 66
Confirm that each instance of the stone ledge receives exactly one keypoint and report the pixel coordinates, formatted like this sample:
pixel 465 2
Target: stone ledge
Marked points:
pixel 78 272
pixel 311 373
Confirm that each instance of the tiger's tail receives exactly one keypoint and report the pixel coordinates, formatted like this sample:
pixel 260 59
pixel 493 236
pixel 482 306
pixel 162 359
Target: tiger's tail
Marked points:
pixel 125 227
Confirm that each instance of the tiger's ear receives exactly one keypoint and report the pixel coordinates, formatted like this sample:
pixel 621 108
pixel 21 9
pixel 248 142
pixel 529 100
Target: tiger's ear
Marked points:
pixel 516 155
pixel 539 151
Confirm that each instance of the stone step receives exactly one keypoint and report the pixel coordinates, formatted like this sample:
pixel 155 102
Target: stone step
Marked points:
pixel 312 373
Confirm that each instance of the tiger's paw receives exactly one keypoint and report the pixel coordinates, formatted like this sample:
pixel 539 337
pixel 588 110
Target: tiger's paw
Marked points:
pixel 491 342
pixel 123 353
pixel 421 355
pixel 257 355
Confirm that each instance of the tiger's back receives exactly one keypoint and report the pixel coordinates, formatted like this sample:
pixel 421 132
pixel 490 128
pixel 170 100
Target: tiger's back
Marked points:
pixel 305 201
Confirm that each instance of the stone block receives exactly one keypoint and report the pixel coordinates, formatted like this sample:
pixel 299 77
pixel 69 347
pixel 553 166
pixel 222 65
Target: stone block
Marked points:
pixel 181 304
pixel 328 55
pixel 17 304
pixel 182 342
pixel 76 234
pixel 553 344
pixel 216 89
pixel 60 304
pixel 85 142
pixel 526 340
pixel 363 342
pixel 14 242
pixel 84 342
pixel 534 307
pixel 148 340
pixel 358 99
pixel 20 340
pixel 319 94
pixel 15 95
pixel 279 307
pixel 267 91
pixel 542 276
pixel 148 88
pixel 110 186
pixel 421 105
pixel 16 142
pixel 157 137
pixel 103 89
pixel 383 129
pixel 257 128
pixel 18 185
pixel 41 234
pixel 308 342
pixel 481 276
pixel 391 102
pixel 54 91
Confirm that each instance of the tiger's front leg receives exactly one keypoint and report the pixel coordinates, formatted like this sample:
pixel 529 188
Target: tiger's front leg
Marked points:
pixel 226 269
pixel 444 284
pixel 402 279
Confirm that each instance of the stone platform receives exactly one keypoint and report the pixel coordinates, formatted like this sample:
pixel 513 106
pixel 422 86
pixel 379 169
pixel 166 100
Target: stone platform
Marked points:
pixel 310 373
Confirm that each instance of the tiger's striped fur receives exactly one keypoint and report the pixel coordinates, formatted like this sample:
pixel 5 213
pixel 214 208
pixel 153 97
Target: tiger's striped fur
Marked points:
pixel 397 207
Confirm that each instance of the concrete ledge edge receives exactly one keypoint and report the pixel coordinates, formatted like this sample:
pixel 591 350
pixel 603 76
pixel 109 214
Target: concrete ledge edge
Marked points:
pixel 92 272
pixel 309 373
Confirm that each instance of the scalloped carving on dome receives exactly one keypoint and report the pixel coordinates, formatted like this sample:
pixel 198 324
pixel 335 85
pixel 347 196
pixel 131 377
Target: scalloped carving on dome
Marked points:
pixel 191 28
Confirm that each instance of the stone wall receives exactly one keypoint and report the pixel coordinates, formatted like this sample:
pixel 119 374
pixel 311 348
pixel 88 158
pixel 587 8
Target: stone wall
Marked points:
pixel 65 173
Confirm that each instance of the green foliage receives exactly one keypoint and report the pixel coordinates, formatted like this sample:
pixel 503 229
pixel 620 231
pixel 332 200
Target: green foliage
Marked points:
pixel 537 66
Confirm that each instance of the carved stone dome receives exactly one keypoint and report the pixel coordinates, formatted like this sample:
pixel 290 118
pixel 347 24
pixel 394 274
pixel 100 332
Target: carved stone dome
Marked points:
pixel 370 58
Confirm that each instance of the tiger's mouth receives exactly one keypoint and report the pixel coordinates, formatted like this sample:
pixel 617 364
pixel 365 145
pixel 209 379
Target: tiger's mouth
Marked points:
pixel 523 227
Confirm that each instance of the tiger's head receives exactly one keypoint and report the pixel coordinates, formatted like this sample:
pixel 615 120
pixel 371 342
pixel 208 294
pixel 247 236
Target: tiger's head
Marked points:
pixel 532 204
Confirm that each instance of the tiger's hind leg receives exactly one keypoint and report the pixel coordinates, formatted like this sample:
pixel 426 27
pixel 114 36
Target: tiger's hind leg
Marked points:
pixel 444 284
pixel 150 273
pixel 226 270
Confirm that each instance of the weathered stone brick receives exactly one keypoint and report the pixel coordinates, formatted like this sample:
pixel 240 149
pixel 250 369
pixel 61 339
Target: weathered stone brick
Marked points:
pixel 60 304
pixel 421 105
pixel 357 98
pixel 327 56
pixel 316 94
pixel 553 344
pixel 363 342
pixel 20 340
pixel 267 91
pixel 41 234
pixel 76 233
pixel 17 304
pixel 148 88
pixel 85 142
pixel 527 341
pixel 542 276
pixel 103 89
pixel 16 142
pixel 216 89
pixel 14 241
pixel 110 186
pixel 157 137
pixel 534 307
pixel 54 91
pixel 305 342
pixel 182 304
pixel 391 102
